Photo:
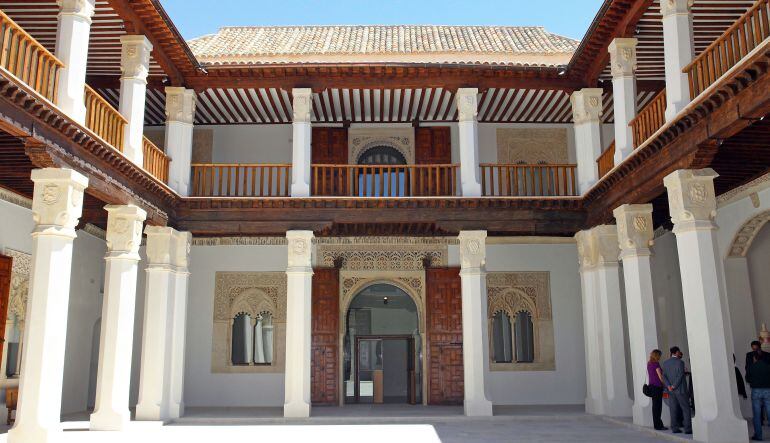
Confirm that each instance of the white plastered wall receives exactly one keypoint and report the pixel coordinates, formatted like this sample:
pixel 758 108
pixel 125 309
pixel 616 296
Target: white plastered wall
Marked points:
pixel 566 384
pixel 202 387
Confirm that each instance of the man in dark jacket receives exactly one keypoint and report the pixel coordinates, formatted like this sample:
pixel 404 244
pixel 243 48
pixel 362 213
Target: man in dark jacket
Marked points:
pixel 678 397
pixel 756 351
pixel 758 376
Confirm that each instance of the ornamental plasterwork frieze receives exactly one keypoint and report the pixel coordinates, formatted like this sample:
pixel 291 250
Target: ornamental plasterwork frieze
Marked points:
pixel 745 236
pixel 750 189
pixel 250 293
pixel 16 199
pixel 532 145
pixel 361 140
pixel 376 256
pixel 20 273
pixel 514 292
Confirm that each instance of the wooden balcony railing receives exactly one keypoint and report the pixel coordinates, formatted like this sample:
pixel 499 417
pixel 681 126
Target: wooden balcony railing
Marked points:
pixel 27 59
pixel 726 51
pixel 606 160
pixel 515 180
pixel 240 180
pixel 155 160
pixel 650 119
pixel 385 180
pixel 104 120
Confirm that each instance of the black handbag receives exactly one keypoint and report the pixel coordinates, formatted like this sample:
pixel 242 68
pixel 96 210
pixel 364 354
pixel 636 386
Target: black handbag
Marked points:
pixel 647 390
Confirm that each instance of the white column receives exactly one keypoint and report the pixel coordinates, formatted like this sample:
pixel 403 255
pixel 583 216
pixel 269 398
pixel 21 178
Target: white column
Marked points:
pixel 57 204
pixel 586 110
pixel 134 65
pixel 594 402
pixel 678 52
pixel 635 234
pixel 178 325
pixel 598 251
pixel 180 114
pixel 301 138
pixel 692 205
pixel 474 314
pixel 299 274
pixel 623 64
pixel 72 33
pixel 163 337
pixel 113 379
pixel 156 333
pixel 468 130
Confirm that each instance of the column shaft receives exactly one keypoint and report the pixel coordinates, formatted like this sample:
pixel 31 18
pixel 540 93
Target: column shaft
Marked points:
pixel 623 64
pixel 678 52
pixel 124 235
pixel 692 204
pixel 301 139
pixel 180 115
pixel 178 334
pixel 56 205
pixel 299 275
pixel 474 316
pixel 468 130
pixel 135 65
pixel 72 35
pixel 586 110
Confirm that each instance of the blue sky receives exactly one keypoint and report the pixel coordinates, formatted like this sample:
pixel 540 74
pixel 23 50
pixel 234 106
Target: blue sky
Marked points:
pixel 198 17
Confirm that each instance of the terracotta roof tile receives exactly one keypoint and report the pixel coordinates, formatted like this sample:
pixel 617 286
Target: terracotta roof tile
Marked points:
pixel 521 45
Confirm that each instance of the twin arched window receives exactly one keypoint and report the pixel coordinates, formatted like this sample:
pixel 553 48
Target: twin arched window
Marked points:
pixel 252 339
pixel 503 338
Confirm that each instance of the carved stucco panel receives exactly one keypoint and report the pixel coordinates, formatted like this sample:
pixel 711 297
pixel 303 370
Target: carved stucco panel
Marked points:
pixel 20 274
pixel 532 145
pixel 361 140
pixel 514 292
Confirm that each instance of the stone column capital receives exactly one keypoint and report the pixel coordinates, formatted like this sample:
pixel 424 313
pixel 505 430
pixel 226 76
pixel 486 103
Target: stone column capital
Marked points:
pixel 672 7
pixel 160 246
pixel 623 57
pixel 691 198
pixel 302 104
pixel 135 57
pixel 473 250
pixel 300 245
pixel 83 9
pixel 586 105
pixel 467 104
pixel 180 104
pixel 124 230
pixel 183 240
pixel 57 203
pixel 634 226
pixel 597 246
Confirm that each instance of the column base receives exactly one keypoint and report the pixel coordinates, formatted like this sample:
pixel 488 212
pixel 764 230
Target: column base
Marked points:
pixel 642 415
pixel 477 408
pixel 300 190
pixel 720 430
pixel 109 420
pixel 148 413
pixel 33 434
pixel 296 410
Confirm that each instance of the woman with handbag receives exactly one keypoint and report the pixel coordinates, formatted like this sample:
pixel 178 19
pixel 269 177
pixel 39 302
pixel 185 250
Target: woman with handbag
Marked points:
pixel 655 388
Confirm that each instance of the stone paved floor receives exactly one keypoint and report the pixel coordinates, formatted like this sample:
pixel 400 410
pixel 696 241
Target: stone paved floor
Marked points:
pixel 375 424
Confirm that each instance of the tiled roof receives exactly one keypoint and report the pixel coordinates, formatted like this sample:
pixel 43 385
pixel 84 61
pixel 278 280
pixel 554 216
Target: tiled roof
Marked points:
pixel 521 45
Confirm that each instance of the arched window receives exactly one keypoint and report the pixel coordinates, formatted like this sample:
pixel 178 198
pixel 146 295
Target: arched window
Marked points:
pixel 501 338
pixel 241 340
pixel 525 338
pixel 382 182
pixel 263 339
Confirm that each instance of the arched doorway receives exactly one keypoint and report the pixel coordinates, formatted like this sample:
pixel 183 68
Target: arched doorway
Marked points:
pixel 386 180
pixel 381 348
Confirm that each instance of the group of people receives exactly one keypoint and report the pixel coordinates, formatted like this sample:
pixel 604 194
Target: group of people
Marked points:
pixel 669 377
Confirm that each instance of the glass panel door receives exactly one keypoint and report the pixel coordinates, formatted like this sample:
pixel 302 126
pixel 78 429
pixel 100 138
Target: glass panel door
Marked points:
pixel 370 375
